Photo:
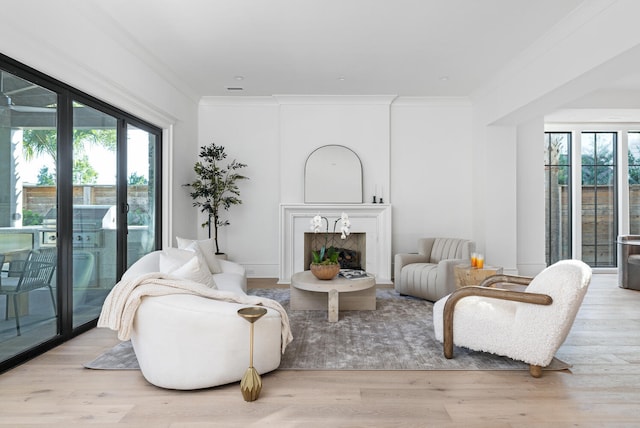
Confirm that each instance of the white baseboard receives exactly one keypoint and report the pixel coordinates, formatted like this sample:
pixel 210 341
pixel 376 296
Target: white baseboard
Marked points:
pixel 261 270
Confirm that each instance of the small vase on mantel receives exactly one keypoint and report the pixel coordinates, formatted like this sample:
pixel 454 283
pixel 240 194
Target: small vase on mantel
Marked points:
pixel 325 271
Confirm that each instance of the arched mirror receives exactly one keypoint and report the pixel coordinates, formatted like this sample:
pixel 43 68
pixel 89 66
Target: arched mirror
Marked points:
pixel 333 174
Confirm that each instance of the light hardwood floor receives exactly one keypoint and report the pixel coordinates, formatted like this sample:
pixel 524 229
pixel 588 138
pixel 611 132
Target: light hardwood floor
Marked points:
pixel 602 389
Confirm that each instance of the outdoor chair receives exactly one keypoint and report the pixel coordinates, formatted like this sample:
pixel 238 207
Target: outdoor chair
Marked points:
pixel 25 276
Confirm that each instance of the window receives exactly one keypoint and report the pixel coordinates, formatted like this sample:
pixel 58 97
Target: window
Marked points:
pixel 558 195
pixel 599 198
pixel 80 193
pixel 588 228
pixel 634 182
pixel 29 189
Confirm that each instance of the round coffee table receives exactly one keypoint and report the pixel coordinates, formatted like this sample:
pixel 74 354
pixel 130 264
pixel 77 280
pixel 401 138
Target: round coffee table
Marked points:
pixel 311 293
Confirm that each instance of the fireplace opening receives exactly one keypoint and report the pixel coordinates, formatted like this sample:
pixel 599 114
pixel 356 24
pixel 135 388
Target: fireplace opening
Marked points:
pixel 352 251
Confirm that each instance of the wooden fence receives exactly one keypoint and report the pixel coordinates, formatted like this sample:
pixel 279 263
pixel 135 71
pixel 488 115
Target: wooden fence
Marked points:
pixel 40 199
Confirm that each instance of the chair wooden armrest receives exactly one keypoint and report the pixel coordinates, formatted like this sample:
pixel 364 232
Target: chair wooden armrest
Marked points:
pixel 505 279
pixel 494 293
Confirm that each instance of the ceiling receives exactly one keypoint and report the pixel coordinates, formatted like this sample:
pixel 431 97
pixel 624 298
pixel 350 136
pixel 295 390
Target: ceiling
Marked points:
pixel 355 47
pixel 420 48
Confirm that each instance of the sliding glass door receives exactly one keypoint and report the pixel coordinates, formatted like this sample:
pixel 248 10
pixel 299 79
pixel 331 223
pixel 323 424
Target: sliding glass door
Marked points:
pixel 79 203
pixel 142 218
pixel 29 306
pixel 95 221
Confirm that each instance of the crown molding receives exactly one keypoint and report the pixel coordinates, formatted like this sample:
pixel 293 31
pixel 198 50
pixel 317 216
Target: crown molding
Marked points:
pixel 334 99
pixel 433 101
pixel 237 100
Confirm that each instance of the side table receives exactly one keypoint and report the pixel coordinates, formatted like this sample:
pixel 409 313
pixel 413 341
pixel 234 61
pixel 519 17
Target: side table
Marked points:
pixel 466 275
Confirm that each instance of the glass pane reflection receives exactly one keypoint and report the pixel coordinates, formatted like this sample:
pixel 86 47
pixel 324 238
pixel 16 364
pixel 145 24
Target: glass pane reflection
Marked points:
pixel 28 190
pixel 94 211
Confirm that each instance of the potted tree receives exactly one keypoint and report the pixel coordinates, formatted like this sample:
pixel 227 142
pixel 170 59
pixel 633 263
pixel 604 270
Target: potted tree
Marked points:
pixel 215 188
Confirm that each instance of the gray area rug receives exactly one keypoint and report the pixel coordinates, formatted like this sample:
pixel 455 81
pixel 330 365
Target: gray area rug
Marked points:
pixel 398 335
pixel 120 357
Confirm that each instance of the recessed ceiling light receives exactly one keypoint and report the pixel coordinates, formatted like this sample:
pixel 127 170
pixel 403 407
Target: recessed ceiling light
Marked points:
pixel 239 78
pixel 444 78
pixel 342 78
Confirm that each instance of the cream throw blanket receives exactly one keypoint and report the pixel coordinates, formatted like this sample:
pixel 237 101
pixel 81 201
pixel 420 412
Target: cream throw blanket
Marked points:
pixel 120 306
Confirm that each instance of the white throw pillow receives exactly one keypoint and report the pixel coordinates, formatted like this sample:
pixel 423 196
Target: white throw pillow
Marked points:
pixel 172 258
pixel 193 270
pixel 183 255
pixel 207 250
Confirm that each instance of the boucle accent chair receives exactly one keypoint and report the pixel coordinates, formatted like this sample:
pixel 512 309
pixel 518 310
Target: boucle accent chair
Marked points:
pixel 429 273
pixel 526 326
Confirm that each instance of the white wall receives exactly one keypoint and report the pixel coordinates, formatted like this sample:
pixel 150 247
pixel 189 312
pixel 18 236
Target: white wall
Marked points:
pixel 418 149
pixel 248 128
pixel 531 227
pixel 494 195
pixel 274 136
pixel 431 170
pixel 359 123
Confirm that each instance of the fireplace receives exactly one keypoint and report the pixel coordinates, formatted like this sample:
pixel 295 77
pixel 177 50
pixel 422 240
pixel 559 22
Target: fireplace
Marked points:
pixel 353 250
pixel 370 229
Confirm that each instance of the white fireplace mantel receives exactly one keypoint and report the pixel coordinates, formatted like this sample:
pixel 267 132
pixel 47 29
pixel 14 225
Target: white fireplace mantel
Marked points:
pixel 372 219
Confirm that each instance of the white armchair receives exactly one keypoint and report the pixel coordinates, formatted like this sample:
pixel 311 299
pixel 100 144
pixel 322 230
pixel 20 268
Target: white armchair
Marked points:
pixel 429 273
pixel 526 326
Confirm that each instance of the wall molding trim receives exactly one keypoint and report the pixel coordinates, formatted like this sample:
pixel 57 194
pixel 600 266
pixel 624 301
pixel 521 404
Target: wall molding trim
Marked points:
pixel 334 99
pixel 433 101
pixel 238 100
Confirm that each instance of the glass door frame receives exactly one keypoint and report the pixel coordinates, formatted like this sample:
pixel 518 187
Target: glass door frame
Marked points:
pixel 66 95
pixel 622 195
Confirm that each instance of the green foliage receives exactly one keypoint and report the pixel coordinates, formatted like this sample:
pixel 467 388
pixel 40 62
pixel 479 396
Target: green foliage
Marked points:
pixel 30 218
pixel 37 142
pixel 326 256
pixel 137 180
pixel 106 138
pixel 138 217
pixel 83 172
pixel 215 187
pixel 598 168
pixel 46 178
pixel 556 156
pixel 634 169
pixel 44 141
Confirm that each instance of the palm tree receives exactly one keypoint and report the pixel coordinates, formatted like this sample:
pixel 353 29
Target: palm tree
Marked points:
pixel 37 142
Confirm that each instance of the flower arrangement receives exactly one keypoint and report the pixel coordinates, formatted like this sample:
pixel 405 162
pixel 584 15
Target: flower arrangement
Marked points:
pixel 329 255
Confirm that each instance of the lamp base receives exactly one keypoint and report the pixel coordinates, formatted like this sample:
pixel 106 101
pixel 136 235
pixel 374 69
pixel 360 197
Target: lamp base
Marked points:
pixel 251 384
